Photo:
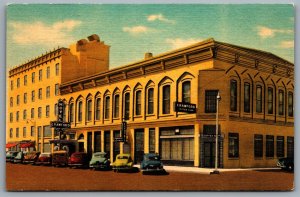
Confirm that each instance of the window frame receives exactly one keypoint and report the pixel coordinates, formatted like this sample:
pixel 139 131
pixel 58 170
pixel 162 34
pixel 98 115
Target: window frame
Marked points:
pixel 258 145
pixel 270 100
pixel 233 148
pixel 290 104
pixel 211 101
pixel 281 103
pixel 166 99
pixel 138 102
pixel 150 101
pixel 79 111
pixel 186 96
pixel 258 99
pixel 233 95
pixel 116 108
pixel 247 94
pixel 97 108
pixel 270 146
pixel 89 109
pixel 107 107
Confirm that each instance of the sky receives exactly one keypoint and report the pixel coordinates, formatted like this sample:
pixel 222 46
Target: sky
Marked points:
pixel 133 30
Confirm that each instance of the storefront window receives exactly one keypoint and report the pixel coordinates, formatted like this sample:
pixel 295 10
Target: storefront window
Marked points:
pixel 269 146
pixel 233 145
pixel 280 146
pixel 258 145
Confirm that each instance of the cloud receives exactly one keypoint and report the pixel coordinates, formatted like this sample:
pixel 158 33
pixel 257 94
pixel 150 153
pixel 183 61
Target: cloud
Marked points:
pixel 287 44
pixel 137 29
pixel 179 43
pixel 159 17
pixel 43 34
pixel 265 32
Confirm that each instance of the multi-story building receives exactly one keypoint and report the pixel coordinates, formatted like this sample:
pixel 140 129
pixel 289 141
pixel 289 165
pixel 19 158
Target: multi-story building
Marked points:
pixel 256 124
pixel 33 90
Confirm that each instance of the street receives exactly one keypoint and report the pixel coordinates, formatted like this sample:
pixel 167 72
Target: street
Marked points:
pixel 21 177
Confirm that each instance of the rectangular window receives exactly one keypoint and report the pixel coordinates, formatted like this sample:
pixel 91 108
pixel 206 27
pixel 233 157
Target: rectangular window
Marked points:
pixel 280 103
pixel 48 92
pixel 258 145
pixel 39 131
pixel 258 99
pixel 127 106
pixel 24 114
pixel 290 146
pixel 32 131
pixel 40 75
pixel 18 82
pixel 11 102
pixel 247 98
pixel 71 112
pixel 25 98
pixel 18 99
pixel 211 101
pixel 150 101
pixel 116 106
pixel 186 92
pixel 25 80
pixel 98 102
pixel 48 72
pixel 97 141
pixel 89 110
pixel 79 111
pixel 11 117
pixel 290 104
pixel 55 109
pixel 107 107
pixel 269 146
pixel 233 95
pixel 138 102
pixel 33 77
pixel 32 113
pixel 24 132
pixel 39 112
pixel 233 145
pixel 166 99
pixel 40 93
pixel 47 110
pixel 47 131
pixel 11 85
pixel 151 140
pixel 17 132
pixel 56 89
pixel 17 116
pixel 270 100
pixel 57 69
pixel 32 96
pixel 280 146
pixel 11 133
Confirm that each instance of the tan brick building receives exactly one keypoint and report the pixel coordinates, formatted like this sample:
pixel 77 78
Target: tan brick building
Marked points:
pixel 256 124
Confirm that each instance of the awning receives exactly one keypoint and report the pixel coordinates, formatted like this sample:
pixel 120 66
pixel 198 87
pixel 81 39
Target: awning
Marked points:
pixel 27 145
pixel 10 145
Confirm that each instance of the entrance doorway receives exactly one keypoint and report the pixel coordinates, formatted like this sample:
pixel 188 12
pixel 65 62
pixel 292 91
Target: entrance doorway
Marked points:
pixel 81 146
pixel 138 145
pixel 116 147
pixel 107 143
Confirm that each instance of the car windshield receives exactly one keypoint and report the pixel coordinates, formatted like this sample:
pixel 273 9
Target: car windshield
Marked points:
pixel 99 155
pixel 152 158
pixel 122 157
pixel 44 155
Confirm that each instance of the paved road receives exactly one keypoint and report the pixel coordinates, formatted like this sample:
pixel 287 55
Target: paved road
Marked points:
pixel 40 178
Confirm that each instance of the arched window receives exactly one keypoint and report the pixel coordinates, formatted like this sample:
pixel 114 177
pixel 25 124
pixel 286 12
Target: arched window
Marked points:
pixel 280 102
pixel 150 99
pixel 186 92
pixel 138 102
pixel 290 104
pixel 97 107
pixel 127 106
pixel 166 99
pixel 233 95
pixel 107 107
pixel 270 100
pixel 258 99
pixel 71 112
pixel 79 111
pixel 247 97
pixel 89 110
pixel 116 106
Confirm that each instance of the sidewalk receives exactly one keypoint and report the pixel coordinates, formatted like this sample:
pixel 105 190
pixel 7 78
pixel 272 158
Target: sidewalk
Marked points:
pixel 207 170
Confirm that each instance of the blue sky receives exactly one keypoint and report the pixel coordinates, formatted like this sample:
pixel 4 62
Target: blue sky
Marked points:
pixel 132 30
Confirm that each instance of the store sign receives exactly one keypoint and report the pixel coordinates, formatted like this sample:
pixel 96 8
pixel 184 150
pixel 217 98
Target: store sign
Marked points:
pixel 119 139
pixel 57 124
pixel 185 107
pixel 60 115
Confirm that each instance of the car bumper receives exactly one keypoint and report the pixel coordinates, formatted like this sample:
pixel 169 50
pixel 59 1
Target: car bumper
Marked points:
pixel 281 165
pixel 43 162
pixel 101 166
pixel 122 167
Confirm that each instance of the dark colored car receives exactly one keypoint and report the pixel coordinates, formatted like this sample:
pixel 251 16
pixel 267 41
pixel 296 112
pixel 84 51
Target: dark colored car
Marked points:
pixel 20 157
pixel 60 158
pixel 286 163
pixel 151 163
pixel 10 155
pixel 31 157
pixel 100 161
pixel 79 159
pixel 44 159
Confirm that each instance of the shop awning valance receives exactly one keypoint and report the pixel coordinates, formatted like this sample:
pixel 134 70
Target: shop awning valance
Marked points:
pixel 12 144
pixel 27 145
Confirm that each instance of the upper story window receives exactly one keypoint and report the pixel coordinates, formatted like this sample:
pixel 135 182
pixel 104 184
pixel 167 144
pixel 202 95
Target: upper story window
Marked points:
pixel 57 69
pixel 25 97
pixel 150 99
pixel 247 99
pixel 11 85
pixel 166 99
pixel 79 111
pixel 25 80
pixel 98 105
pixel 17 132
pixel 116 106
pixel 211 101
pixel 258 145
pixel 11 102
pixel 32 113
pixel 56 89
pixel 186 92
pixel 33 77
pixel 18 99
pixel 89 110
pixel 39 112
pixel 17 116
pixel 138 102
pixel 127 106
pixel 48 92
pixel 11 133
pixel 18 82
pixel 258 99
pixel 269 146
pixel 24 131
pixel 107 107
pixel 270 100
pixel 290 104
pixel 233 95
pixel 47 110
pixel 40 93
pixel 32 96
pixel 48 72
pixel 24 114
pixel 55 109
pixel 11 117
pixel 280 102
pixel 40 75
pixel 32 131
pixel 71 112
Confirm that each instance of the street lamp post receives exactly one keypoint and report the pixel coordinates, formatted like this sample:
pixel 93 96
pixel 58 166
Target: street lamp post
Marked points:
pixel 216 171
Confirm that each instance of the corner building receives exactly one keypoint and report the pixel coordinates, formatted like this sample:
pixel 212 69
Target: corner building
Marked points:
pixel 256 123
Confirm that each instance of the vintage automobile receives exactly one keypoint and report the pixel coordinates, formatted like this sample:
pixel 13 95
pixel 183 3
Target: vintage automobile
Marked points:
pixel 60 158
pixel 10 155
pixel 31 157
pixel 122 162
pixel 79 159
pixel 151 163
pixel 99 161
pixel 20 157
pixel 286 163
pixel 44 159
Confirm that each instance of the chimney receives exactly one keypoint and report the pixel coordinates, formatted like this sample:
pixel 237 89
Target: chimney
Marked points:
pixel 148 55
pixel 94 37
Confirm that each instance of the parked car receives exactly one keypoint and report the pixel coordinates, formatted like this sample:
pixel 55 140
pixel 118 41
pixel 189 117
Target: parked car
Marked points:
pixel 123 162
pixel 19 157
pixel 151 163
pixel 100 161
pixel 44 159
pixel 31 157
pixel 60 158
pixel 286 163
pixel 10 155
pixel 79 159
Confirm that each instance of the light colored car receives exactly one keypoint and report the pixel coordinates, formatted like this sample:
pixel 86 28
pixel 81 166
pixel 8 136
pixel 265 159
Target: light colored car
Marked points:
pixel 100 161
pixel 123 162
